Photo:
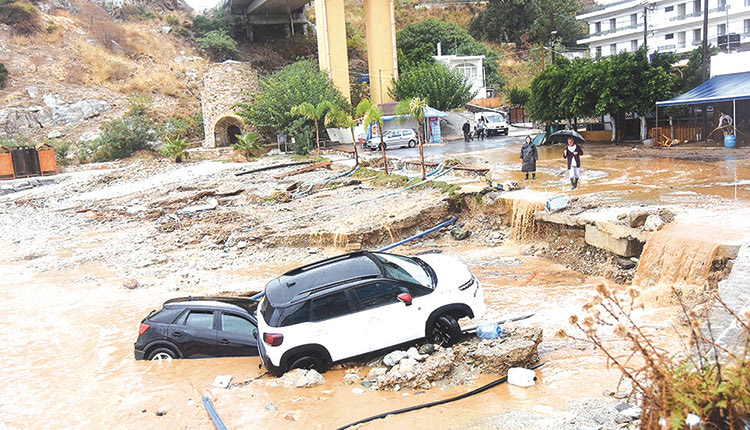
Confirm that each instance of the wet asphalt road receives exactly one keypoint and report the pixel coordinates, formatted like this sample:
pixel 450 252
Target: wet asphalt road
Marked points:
pixel 436 150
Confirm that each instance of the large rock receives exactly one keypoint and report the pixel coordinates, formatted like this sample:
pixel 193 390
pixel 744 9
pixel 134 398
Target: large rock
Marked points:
pixel 299 378
pixel 78 111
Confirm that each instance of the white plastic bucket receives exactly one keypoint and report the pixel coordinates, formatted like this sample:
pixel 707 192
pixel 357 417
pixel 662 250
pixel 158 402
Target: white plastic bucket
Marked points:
pixel 521 377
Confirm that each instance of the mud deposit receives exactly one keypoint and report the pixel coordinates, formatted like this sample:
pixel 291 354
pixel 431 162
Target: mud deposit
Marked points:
pixel 69 323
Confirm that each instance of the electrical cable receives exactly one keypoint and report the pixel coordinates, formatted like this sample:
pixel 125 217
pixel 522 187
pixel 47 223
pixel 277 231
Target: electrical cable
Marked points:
pixel 436 403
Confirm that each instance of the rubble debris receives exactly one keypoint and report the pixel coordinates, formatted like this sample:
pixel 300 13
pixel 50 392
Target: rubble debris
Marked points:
pixel 298 378
pixel 222 381
pixel 303 170
pixel 130 284
pixel 521 377
pixel 460 233
pixel 653 223
pixel 276 166
pixel 209 205
pixel 271 407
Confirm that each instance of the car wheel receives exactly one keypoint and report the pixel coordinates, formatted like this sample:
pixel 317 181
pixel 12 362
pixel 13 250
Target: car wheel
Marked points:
pixel 160 354
pixel 308 362
pixel 445 331
pixel 412 144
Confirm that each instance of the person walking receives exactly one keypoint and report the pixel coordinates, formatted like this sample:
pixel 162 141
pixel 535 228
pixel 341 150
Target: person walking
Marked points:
pixel 480 129
pixel 573 154
pixel 467 130
pixel 529 155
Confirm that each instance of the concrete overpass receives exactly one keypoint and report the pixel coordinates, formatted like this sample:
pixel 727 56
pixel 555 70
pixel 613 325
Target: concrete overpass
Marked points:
pixel 330 23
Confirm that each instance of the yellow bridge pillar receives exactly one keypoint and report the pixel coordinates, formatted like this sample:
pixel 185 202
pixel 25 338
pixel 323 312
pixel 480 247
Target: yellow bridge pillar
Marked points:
pixel 380 24
pixel 330 24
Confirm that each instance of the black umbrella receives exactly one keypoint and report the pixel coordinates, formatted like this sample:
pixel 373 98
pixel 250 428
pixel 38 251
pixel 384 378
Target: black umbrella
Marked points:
pixel 566 134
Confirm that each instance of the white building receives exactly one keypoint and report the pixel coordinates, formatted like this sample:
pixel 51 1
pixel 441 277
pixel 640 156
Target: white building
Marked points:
pixel 470 66
pixel 671 25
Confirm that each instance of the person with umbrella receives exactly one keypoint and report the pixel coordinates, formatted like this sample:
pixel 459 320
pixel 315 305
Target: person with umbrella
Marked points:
pixel 573 154
pixel 529 156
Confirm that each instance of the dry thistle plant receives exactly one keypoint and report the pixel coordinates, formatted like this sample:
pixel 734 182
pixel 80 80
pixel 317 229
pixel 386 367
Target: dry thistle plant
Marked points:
pixel 704 377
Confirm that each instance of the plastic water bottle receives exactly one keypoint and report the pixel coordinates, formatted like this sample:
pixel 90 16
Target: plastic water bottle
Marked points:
pixel 489 330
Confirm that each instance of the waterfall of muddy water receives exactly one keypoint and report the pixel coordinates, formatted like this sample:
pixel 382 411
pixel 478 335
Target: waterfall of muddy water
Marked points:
pixel 523 204
pixel 671 258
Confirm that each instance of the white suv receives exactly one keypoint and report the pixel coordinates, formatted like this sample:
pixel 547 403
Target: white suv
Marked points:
pixel 362 302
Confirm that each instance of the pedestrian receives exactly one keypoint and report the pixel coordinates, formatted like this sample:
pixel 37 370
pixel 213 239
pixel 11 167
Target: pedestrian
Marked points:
pixel 529 155
pixel 467 130
pixel 573 153
pixel 480 129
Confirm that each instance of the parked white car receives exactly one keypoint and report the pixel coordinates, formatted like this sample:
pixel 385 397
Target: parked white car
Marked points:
pixel 361 302
pixel 494 122
pixel 401 137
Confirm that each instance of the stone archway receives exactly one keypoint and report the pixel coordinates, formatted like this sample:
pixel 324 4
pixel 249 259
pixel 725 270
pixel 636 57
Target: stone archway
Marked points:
pixel 227 130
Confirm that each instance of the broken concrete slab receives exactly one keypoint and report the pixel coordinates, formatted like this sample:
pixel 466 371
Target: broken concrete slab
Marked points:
pixel 611 237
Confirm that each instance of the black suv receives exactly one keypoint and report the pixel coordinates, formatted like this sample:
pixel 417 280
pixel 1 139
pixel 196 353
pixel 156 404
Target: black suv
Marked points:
pixel 199 327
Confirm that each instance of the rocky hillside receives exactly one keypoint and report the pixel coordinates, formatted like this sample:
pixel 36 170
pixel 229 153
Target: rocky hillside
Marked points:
pixel 83 61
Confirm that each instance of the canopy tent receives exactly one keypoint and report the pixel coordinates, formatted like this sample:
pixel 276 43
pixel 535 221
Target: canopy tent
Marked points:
pixel 429 112
pixel 721 88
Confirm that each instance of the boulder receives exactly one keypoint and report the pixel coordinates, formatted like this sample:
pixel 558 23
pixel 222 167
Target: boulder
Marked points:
pixel 460 233
pixel 653 223
pixel 130 284
pixel 299 378
pixel 394 357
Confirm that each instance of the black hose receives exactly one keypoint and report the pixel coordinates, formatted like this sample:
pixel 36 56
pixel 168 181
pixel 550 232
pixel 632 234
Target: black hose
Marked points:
pixel 436 403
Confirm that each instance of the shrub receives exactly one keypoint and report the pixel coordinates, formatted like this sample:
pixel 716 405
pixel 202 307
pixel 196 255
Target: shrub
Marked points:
pixel 248 144
pixel 176 149
pixel 188 127
pixel 3 75
pixel 219 46
pixel 121 137
pixel 22 16
pixel 705 377
pixel 62 151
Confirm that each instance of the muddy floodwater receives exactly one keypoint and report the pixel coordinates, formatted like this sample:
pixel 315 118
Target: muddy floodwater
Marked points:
pixel 69 324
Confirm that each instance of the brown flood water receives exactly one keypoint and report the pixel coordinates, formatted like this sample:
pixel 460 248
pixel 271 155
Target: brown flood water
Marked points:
pixel 68 357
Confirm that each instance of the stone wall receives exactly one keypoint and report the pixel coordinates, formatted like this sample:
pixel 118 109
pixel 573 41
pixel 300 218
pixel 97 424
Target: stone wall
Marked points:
pixel 224 85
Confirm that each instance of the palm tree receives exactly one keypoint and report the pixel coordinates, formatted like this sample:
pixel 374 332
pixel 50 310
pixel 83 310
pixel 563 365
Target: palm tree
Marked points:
pixel 415 107
pixel 340 118
pixel 315 113
pixel 371 114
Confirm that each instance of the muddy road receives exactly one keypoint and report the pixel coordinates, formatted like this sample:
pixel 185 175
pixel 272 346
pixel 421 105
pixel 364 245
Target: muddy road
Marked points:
pixel 69 323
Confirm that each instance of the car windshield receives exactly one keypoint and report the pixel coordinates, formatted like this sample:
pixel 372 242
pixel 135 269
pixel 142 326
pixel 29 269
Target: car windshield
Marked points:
pixel 404 269
pixel 495 118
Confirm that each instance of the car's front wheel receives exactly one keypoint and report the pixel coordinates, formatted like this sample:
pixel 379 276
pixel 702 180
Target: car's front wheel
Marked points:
pixel 160 354
pixel 445 331
pixel 308 361
pixel 412 143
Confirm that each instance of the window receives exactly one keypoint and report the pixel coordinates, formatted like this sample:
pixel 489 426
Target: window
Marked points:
pixel 613 49
pixel 668 9
pixel 669 36
pixel 467 69
pixel 747 26
pixel 236 324
pixel 613 24
pixel 681 39
pixel 697 35
pixel 681 9
pixel 598 51
pixel 697 6
pixel 379 294
pixel 721 29
pixel 330 306
pixel 296 316
pixel 200 320
pixel 597 27
pixel 633 19
pixel 722 4
pixel 633 45
pixel 747 2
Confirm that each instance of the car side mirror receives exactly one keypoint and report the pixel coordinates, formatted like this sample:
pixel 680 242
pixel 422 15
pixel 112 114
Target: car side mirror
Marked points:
pixel 405 298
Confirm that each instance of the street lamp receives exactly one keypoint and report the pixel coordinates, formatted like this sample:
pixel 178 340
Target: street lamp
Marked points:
pixel 553 36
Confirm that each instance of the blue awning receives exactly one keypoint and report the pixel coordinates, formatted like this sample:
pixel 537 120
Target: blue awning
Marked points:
pixel 720 88
pixel 429 112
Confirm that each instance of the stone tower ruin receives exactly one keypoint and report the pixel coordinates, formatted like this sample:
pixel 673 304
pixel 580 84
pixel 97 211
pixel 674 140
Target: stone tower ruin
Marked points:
pixel 224 85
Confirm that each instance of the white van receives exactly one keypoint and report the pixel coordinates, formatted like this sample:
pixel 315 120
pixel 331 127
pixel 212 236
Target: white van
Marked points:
pixel 494 122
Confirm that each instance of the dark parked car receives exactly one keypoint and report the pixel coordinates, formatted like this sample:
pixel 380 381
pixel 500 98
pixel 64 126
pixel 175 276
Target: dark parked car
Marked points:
pixel 199 327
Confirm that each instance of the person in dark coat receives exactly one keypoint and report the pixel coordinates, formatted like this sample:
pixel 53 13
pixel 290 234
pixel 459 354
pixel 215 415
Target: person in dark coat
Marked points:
pixel 529 155
pixel 467 130
pixel 573 154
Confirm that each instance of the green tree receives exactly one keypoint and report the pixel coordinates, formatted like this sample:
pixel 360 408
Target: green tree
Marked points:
pixel 270 110
pixel 545 102
pixel 219 46
pixel 504 21
pixel 442 88
pixel 417 45
pixel 415 108
pixel 559 16
pixel 315 113
pixel 518 97
pixel 371 114
pixel 340 118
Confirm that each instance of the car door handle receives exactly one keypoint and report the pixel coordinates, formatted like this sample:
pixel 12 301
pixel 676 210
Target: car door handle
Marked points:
pixel 177 334
pixel 224 342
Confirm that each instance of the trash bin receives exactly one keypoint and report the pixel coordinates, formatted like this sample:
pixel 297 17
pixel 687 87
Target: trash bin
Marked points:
pixel 730 141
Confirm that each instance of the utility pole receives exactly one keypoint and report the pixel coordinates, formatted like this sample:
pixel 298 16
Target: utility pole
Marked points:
pixel 543 56
pixel 645 27
pixel 554 34
pixel 705 56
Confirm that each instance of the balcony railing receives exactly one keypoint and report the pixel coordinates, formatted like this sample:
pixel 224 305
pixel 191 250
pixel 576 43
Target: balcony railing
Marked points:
pixel 685 16
pixel 666 48
pixel 718 9
pixel 610 31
